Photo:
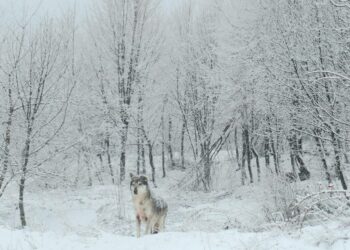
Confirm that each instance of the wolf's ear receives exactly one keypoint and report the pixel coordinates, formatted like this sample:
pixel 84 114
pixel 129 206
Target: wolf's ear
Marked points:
pixel 131 175
pixel 145 178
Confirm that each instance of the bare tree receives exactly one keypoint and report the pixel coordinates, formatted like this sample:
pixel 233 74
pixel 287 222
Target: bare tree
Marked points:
pixel 39 85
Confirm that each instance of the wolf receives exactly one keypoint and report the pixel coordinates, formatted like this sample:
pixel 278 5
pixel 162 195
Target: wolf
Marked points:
pixel 148 208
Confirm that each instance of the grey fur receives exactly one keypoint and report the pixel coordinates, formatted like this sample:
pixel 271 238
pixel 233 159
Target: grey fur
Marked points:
pixel 148 208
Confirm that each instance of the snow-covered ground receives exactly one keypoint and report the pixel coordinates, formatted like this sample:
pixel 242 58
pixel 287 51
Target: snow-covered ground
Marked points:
pixel 88 218
pixel 309 238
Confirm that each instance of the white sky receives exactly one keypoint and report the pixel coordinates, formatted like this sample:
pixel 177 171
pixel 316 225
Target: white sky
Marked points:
pixel 11 9
pixel 15 10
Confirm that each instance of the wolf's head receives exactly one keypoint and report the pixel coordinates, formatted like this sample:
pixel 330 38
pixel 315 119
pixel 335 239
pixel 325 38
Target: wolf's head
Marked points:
pixel 138 184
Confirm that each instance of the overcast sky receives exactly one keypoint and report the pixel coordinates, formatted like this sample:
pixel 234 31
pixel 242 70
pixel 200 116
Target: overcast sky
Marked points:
pixel 15 8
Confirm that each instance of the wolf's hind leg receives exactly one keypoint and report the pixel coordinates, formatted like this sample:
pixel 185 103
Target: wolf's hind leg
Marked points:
pixel 155 228
pixel 162 223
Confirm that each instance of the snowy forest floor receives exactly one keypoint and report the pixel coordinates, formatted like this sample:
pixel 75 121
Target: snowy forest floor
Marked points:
pixel 87 218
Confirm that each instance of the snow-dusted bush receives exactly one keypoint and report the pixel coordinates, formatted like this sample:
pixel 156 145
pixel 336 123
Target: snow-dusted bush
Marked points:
pixel 282 195
pixel 301 205
pixel 320 206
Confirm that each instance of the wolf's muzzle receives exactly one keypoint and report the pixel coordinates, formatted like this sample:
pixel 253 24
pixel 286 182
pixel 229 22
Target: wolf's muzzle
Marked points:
pixel 135 190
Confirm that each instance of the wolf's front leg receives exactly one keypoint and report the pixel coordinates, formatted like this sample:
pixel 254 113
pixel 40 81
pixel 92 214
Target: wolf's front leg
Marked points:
pixel 148 226
pixel 138 226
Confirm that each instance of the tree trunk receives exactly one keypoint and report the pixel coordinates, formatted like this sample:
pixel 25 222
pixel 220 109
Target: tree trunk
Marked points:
pixel 124 138
pixel 150 158
pixel 206 167
pixel 257 162
pixel 111 172
pixel 170 149
pixel 143 159
pixel 292 156
pixel 207 177
pixel 267 153
pixel 274 155
pixel 23 178
pixel 322 155
pixel 7 141
pixel 140 139
pixel 237 150
pixel 337 155
pixel 102 168
pixel 138 161
pixel 296 157
pixel 87 164
pixel 272 146
pixel 248 151
pixel 346 147
pixel 182 148
pixel 21 201
pixel 244 155
pixel 163 144
pixel 99 156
